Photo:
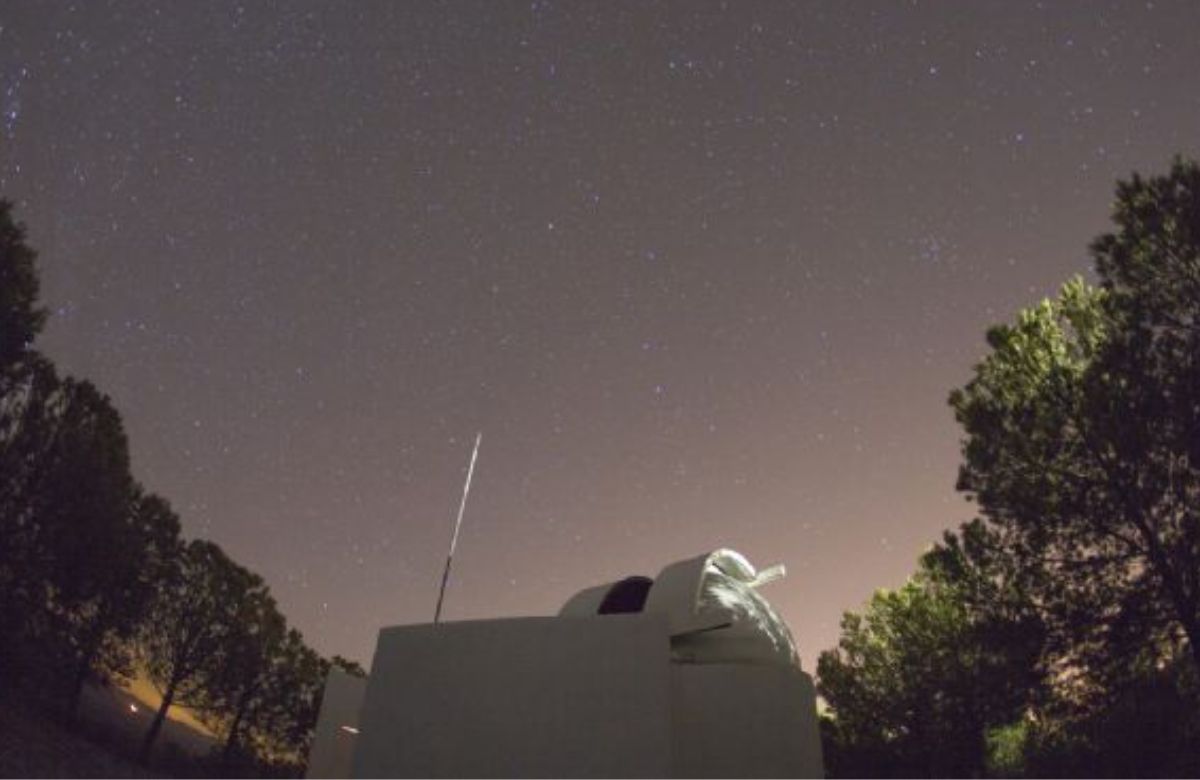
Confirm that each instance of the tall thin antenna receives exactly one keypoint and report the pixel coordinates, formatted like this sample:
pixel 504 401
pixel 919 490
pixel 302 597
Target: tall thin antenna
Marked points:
pixel 437 613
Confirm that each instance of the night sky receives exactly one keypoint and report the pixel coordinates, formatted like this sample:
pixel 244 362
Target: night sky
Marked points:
pixel 703 273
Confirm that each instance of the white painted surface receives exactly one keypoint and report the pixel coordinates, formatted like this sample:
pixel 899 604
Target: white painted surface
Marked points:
pixel 698 594
pixel 743 720
pixel 332 752
pixel 586 602
pixel 526 697
pixel 704 682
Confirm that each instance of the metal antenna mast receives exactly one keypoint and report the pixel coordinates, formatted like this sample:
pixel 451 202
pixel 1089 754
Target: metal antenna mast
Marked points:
pixel 437 614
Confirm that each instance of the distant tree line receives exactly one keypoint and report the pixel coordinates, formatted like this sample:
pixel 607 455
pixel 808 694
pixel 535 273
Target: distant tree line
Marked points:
pixel 1058 633
pixel 97 582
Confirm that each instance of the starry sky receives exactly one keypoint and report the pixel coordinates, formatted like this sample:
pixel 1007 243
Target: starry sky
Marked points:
pixel 703 273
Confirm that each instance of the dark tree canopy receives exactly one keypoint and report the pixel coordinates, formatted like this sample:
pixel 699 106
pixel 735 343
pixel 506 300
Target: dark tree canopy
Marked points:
pixel 75 549
pixel 1083 436
pixel 926 673
pixel 241 689
pixel 21 318
pixel 197 609
pixel 29 418
pixel 261 694
pixel 93 570
pixel 301 683
pixel 352 668
pixel 1059 633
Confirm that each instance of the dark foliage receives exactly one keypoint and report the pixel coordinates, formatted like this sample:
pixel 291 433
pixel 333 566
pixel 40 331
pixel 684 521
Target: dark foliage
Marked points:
pixel 197 610
pixel 1068 639
pixel 353 668
pixel 926 672
pixel 21 318
pixel 93 570
pixel 1083 437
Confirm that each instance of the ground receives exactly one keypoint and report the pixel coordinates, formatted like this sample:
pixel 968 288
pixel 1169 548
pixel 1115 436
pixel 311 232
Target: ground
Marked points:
pixel 31 745
pixel 112 722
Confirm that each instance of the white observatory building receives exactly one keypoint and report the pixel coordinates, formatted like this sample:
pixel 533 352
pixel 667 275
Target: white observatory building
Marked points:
pixel 691 674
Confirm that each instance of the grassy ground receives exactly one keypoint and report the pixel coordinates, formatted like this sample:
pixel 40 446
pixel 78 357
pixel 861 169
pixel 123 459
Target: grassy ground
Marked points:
pixel 103 743
pixel 31 745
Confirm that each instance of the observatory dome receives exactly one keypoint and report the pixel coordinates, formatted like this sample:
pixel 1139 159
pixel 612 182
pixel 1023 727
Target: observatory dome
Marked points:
pixel 712 606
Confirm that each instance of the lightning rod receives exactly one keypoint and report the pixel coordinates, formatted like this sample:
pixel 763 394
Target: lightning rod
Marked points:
pixel 437 613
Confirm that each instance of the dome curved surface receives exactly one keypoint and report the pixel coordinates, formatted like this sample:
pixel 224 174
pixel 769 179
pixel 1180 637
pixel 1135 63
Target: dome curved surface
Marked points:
pixel 712 606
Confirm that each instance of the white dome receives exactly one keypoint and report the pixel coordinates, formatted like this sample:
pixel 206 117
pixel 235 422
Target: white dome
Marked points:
pixel 713 609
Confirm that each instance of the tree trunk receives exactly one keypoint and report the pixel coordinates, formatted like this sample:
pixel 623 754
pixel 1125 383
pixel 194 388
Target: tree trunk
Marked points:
pixel 156 725
pixel 1192 629
pixel 81 674
pixel 1176 592
pixel 231 739
pixel 87 655
pixel 1170 578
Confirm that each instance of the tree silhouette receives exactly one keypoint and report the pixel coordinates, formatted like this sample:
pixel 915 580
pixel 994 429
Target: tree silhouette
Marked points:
pixel 28 419
pixel 352 668
pixel 27 383
pixel 146 543
pixel 93 553
pixel 922 677
pixel 76 551
pixel 298 687
pixel 195 615
pixel 21 319
pixel 1083 437
pixel 241 691
pixel 89 560
pixel 275 700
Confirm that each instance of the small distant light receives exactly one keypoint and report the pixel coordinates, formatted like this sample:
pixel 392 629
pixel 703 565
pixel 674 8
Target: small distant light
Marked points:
pixel 133 708
pixel 349 729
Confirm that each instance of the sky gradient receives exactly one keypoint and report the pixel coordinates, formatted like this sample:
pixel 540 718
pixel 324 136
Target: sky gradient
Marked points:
pixel 703 274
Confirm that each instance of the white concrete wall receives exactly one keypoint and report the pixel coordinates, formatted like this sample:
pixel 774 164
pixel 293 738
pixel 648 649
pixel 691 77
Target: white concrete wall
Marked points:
pixel 332 752
pixel 526 697
pixel 575 697
pixel 743 720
